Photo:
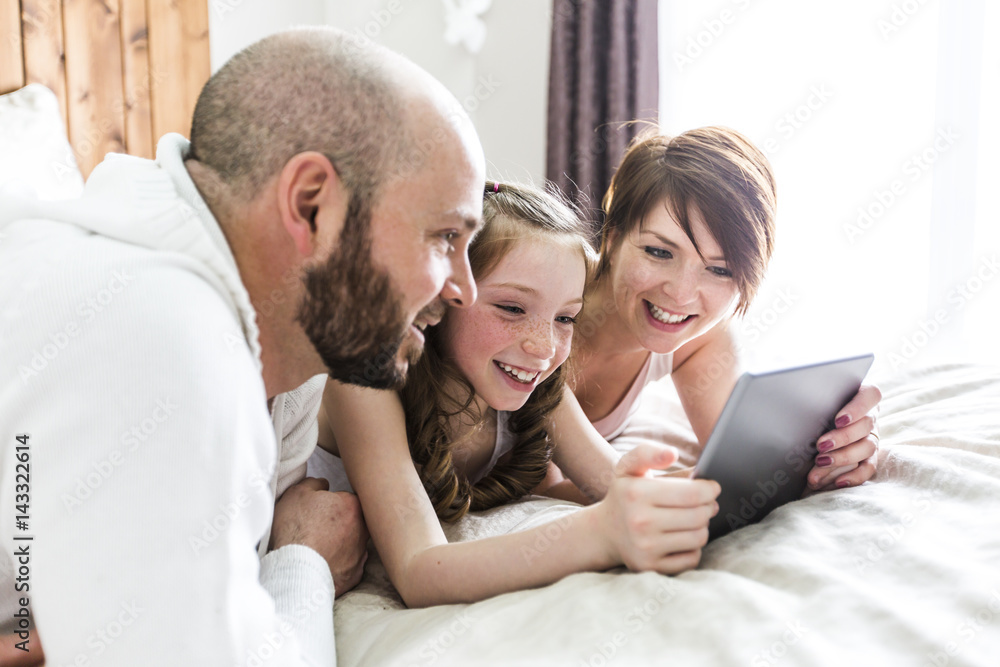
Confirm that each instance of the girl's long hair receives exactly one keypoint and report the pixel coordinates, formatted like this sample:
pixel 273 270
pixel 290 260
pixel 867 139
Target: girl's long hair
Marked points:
pixel 436 392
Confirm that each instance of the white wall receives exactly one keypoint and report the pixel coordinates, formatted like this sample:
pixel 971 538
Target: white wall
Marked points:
pixel 234 24
pixel 852 102
pixel 504 87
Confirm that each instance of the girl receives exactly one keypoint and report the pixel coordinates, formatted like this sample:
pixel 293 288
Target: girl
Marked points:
pixel 687 236
pixel 485 411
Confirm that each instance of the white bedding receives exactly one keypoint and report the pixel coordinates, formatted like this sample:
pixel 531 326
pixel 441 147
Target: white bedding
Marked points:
pixel 904 570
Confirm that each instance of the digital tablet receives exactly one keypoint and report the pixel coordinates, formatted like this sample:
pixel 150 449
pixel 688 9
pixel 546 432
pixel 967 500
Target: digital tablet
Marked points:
pixel 764 444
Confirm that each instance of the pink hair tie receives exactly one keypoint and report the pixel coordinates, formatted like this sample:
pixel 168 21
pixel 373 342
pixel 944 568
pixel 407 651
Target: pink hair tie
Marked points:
pixel 496 187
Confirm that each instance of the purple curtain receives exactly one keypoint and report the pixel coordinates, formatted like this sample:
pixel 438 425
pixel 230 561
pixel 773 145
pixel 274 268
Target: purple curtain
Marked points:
pixel 603 72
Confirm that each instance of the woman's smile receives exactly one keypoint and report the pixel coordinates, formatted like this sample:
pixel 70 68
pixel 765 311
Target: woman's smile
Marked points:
pixel 677 292
pixel 667 320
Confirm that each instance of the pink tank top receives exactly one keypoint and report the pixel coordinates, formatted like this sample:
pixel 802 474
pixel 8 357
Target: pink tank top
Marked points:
pixel 656 367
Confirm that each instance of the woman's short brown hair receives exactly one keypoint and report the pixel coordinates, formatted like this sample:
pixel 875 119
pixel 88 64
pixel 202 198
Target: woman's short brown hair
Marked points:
pixel 713 169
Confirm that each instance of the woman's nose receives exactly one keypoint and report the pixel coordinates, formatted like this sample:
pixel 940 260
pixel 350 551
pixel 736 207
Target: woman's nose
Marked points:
pixel 682 289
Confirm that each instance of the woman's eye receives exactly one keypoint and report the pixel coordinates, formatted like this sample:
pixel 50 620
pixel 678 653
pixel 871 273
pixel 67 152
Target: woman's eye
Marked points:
pixel 721 272
pixel 659 253
pixel 517 310
pixel 566 319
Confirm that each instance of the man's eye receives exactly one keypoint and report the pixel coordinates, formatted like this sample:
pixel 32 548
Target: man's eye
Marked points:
pixel 659 253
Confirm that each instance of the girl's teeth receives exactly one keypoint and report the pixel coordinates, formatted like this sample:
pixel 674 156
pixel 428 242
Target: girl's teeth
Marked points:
pixel 666 317
pixel 519 375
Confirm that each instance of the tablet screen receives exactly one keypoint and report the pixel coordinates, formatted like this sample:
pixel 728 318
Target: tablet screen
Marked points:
pixel 764 444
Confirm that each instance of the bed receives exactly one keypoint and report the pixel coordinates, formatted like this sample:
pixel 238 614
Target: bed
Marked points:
pixel 904 570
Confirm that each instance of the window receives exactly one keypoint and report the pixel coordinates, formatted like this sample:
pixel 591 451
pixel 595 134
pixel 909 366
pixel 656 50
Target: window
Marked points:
pixel 880 120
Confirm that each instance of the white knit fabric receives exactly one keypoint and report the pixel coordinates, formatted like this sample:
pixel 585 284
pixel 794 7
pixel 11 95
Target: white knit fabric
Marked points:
pixel 129 352
pixel 294 416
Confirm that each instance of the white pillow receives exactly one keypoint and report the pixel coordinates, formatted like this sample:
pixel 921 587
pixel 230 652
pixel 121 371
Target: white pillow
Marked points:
pixel 35 157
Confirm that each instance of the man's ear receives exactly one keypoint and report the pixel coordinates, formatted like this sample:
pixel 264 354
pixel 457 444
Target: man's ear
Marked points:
pixel 312 202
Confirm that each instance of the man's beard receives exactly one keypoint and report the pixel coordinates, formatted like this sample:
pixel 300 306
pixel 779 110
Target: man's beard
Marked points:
pixel 352 314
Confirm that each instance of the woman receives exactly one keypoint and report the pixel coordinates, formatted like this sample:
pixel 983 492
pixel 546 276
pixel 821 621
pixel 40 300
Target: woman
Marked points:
pixel 687 236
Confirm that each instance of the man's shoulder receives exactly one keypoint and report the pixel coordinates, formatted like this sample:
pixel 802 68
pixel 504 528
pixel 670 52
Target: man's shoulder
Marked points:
pixel 107 295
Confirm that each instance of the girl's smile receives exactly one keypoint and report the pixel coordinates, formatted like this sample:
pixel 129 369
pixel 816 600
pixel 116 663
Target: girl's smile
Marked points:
pixel 518 378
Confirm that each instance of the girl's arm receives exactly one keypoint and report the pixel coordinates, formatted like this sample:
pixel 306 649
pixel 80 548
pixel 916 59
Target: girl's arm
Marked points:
pixel 668 520
pixel 580 452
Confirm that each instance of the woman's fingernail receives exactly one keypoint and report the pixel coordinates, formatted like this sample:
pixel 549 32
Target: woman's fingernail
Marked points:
pixel 842 483
pixel 825 446
pixel 823 461
pixel 843 420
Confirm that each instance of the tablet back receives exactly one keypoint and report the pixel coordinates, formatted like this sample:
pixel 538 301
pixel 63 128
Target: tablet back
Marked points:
pixel 764 444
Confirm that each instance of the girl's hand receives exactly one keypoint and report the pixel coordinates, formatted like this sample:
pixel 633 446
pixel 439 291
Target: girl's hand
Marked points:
pixel 848 455
pixel 657 524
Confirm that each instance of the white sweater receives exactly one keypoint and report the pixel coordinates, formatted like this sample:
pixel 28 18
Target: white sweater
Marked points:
pixel 130 354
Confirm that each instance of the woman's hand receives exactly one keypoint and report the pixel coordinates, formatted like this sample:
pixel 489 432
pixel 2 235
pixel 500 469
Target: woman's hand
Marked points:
pixel 848 455
pixel 657 524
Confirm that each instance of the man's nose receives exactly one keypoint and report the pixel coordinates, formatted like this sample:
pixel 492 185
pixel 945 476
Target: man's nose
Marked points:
pixel 460 287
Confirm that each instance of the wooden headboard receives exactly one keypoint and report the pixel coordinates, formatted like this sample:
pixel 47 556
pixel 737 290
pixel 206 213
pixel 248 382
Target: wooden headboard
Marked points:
pixel 125 71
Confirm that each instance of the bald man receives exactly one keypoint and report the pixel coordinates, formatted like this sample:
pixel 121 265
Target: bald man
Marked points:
pixel 163 336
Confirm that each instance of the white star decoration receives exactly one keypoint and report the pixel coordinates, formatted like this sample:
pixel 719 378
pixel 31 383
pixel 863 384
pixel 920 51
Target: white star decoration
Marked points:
pixel 463 24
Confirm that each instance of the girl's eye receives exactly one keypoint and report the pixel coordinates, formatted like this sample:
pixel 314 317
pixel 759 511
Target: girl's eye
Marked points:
pixel 721 272
pixel 566 319
pixel 659 253
pixel 517 310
